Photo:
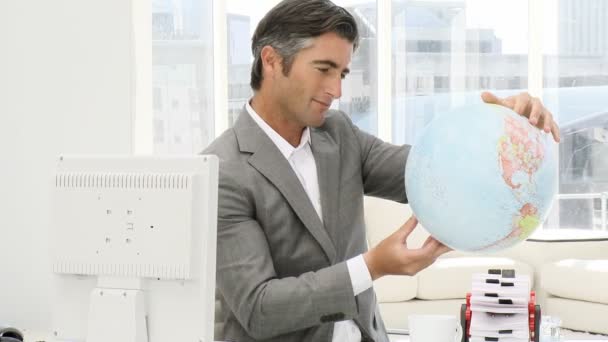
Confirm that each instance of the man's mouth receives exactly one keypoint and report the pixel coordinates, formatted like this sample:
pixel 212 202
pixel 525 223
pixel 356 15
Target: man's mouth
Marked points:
pixel 322 103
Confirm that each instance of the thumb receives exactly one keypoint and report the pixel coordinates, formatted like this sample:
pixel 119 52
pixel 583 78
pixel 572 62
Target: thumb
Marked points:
pixel 443 249
pixel 407 227
pixel 488 97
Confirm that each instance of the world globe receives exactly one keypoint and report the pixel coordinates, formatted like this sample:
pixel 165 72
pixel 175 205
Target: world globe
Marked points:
pixel 481 178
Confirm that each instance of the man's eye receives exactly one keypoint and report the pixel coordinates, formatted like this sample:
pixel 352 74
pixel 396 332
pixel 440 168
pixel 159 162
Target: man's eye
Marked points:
pixel 323 70
pixel 343 76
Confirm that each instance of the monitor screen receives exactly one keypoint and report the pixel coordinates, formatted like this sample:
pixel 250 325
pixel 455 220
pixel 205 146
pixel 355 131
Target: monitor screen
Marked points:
pixel 133 248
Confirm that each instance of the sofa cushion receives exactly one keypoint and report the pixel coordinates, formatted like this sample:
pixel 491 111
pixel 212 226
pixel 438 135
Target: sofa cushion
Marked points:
pixel 451 278
pixel 578 314
pixel 577 279
pixel 393 289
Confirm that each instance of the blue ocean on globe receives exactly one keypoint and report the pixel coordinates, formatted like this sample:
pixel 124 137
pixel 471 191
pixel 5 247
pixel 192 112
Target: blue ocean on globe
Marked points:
pixel 481 177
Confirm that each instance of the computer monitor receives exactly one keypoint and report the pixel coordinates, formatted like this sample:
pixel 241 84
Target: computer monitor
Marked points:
pixel 134 248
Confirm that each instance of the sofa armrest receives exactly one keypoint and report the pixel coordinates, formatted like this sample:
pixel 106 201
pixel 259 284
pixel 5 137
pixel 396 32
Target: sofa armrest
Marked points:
pixel 585 280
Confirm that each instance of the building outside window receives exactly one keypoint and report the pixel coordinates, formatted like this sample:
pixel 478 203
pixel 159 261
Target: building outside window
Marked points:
pixel 182 75
pixel 446 52
pixel 575 88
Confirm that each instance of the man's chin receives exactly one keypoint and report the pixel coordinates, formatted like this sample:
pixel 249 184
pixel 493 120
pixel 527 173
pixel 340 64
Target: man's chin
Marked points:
pixel 313 117
pixel 319 120
pixel 317 123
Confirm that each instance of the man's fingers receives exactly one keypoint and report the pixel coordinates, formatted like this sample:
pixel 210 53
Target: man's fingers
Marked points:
pixel 435 247
pixel 528 106
pixel 555 132
pixel 407 227
pixel 428 240
pixel 548 120
pixel 521 104
pixel 431 243
pixel 551 125
pixel 537 114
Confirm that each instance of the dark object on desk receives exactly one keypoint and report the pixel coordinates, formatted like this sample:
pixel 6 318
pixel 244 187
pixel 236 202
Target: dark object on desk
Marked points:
pixel 8 334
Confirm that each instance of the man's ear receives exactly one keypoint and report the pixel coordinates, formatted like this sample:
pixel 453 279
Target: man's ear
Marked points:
pixel 271 61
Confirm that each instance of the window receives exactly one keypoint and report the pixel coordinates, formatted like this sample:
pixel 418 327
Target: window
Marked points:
pixel 182 75
pixel 359 89
pixel 575 87
pixel 240 28
pixel 444 53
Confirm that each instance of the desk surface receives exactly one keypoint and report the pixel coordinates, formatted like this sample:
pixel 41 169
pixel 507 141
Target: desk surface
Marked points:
pixel 41 337
pixel 37 337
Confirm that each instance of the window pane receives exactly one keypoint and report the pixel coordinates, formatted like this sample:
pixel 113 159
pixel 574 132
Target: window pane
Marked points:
pixel 576 85
pixel 445 53
pixel 358 89
pixel 182 76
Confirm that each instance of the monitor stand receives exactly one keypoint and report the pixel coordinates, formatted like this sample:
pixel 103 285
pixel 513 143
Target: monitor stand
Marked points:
pixel 117 311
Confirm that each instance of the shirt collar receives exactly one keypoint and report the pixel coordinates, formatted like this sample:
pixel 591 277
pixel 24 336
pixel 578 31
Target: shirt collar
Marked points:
pixel 285 147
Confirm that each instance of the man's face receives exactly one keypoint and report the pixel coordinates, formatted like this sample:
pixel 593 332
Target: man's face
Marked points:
pixel 314 81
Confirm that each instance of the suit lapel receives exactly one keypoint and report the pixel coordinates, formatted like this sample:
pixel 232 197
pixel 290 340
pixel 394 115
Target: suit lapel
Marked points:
pixel 327 158
pixel 269 161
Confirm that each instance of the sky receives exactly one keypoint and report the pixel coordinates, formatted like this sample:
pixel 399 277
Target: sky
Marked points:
pixel 509 19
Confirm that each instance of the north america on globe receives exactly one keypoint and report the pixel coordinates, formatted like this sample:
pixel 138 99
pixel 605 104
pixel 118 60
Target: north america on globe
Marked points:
pixel 520 153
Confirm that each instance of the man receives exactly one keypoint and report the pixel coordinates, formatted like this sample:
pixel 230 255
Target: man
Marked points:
pixel 292 261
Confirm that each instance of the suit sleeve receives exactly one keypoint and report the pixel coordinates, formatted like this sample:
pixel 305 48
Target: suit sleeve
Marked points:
pixel 263 304
pixel 383 166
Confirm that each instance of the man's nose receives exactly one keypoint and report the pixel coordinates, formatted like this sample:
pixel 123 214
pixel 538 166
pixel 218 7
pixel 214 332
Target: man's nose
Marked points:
pixel 334 87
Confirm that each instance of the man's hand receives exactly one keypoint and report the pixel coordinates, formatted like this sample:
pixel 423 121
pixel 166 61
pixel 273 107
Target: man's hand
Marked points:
pixel 528 106
pixel 392 256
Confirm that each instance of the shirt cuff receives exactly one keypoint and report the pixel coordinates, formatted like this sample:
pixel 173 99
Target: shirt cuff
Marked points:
pixel 359 274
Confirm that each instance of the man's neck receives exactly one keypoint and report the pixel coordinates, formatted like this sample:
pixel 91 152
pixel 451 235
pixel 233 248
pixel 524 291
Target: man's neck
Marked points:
pixel 271 113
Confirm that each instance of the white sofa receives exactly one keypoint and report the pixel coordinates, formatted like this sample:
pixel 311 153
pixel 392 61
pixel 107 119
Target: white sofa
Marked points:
pixel 442 287
pixel 577 292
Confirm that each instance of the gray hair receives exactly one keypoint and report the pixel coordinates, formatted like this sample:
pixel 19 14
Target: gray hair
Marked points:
pixel 291 26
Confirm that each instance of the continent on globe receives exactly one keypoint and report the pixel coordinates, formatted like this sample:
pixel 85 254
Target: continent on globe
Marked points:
pixel 527 220
pixel 519 150
pixel 524 224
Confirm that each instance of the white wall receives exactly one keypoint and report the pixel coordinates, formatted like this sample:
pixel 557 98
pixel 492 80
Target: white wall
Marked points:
pixel 65 87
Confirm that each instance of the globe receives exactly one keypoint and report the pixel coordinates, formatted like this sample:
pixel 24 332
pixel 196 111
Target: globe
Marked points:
pixel 481 178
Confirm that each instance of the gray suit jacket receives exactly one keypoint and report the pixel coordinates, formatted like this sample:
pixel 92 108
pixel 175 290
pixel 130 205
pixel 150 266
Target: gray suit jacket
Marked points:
pixel 281 272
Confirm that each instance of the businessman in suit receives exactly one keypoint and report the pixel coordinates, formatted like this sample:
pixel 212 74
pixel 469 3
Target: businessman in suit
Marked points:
pixel 293 263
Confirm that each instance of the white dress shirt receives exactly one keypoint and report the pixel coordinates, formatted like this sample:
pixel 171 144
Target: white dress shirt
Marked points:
pixel 303 163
